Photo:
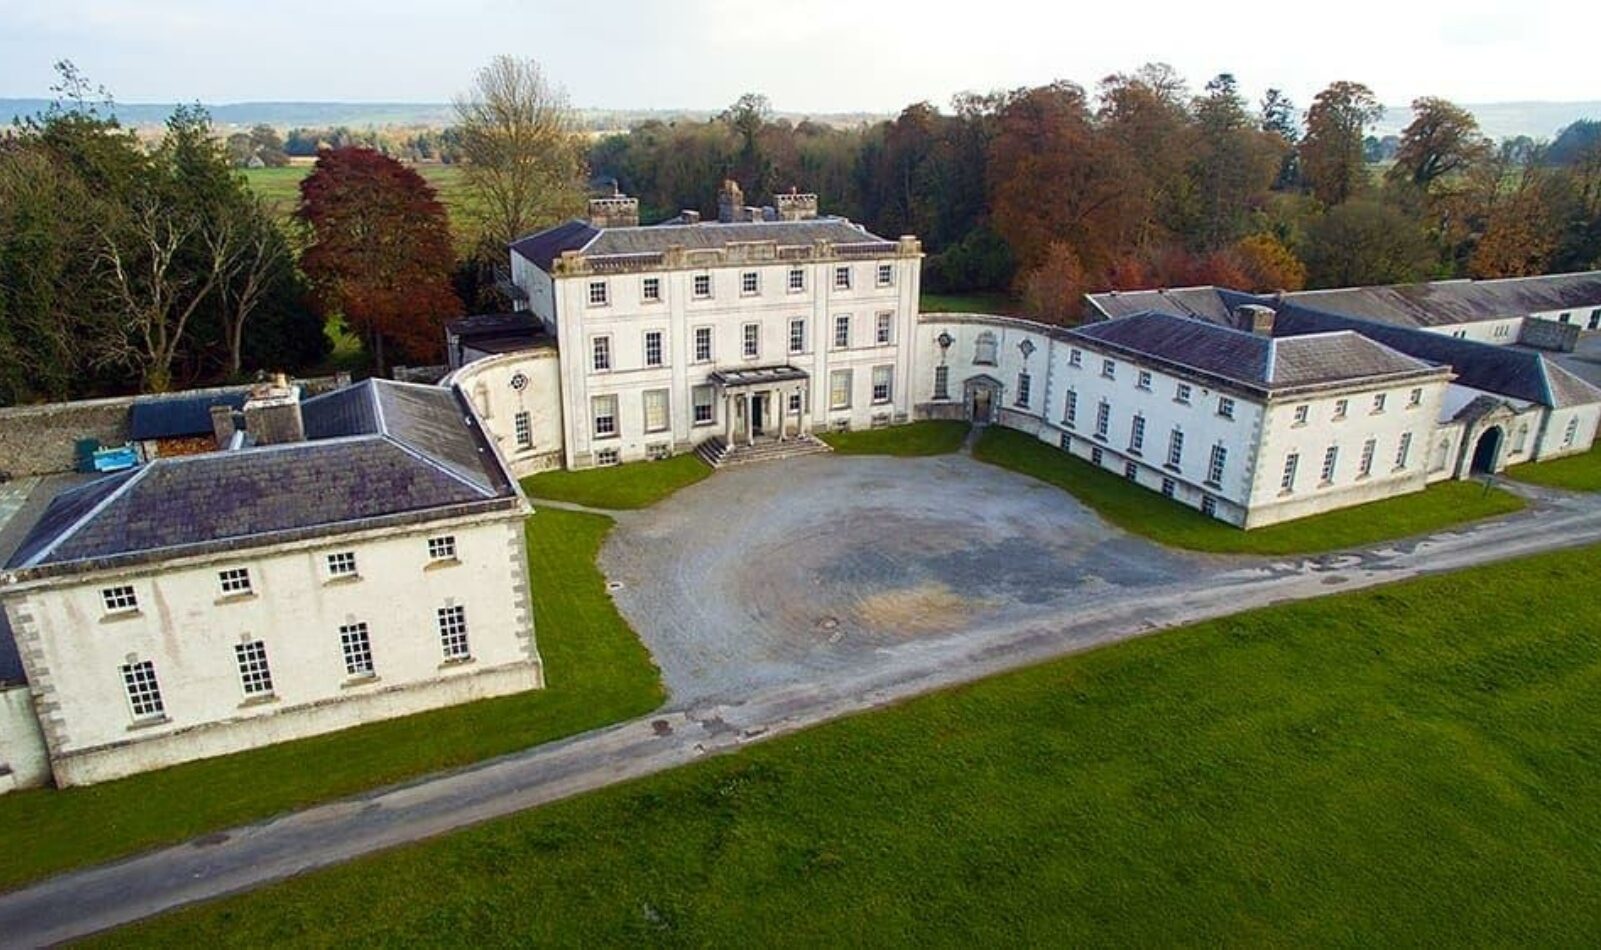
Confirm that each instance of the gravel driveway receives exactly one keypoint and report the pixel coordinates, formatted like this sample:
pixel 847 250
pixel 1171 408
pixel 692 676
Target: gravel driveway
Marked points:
pixel 782 573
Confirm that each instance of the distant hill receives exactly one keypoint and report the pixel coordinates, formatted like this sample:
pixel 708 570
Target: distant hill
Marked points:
pixel 1541 120
pixel 363 114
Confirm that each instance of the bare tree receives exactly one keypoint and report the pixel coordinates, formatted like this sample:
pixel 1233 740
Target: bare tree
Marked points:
pixel 257 258
pixel 151 293
pixel 524 157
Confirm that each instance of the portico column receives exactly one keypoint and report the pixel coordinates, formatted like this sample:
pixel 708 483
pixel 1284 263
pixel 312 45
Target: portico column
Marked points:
pixel 782 411
pixel 750 420
pixel 728 418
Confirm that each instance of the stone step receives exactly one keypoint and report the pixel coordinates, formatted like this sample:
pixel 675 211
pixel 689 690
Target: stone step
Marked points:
pixel 718 454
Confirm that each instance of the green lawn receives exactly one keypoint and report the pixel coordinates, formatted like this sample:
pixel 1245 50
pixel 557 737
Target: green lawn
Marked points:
pixel 1147 513
pixel 930 437
pixel 597 670
pixel 1574 473
pixel 1418 765
pixel 635 485
pixel 977 302
pixel 280 188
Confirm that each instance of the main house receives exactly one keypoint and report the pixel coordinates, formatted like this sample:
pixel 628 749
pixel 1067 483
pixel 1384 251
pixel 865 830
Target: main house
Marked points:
pixel 757 328
pixel 353 557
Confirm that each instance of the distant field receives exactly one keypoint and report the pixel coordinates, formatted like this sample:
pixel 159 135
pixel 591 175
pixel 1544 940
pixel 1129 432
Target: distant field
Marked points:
pixel 280 188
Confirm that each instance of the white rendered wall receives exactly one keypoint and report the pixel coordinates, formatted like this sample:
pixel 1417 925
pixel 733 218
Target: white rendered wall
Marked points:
pixel 487 383
pixel 24 761
pixel 73 649
pixel 627 317
pixel 1499 332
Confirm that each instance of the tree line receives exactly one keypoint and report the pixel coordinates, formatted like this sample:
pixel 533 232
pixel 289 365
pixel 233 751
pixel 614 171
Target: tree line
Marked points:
pixel 125 267
pixel 1051 191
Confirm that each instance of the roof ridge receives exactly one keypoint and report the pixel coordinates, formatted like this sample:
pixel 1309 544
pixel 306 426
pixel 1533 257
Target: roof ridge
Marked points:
pixel 93 512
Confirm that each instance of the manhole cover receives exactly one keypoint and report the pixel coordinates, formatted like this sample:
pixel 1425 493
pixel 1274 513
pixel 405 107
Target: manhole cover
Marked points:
pixel 614 585
pixel 828 623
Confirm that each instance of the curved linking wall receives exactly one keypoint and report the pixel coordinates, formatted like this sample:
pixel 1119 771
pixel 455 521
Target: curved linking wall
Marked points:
pixel 517 397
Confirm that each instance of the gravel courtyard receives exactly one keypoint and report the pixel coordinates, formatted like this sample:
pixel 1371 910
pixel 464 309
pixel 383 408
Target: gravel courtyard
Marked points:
pixel 782 574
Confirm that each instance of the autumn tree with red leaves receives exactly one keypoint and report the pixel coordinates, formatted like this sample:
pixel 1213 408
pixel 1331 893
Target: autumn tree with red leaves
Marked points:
pixel 379 252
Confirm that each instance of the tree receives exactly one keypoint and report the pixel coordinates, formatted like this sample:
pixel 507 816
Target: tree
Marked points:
pixel 1442 139
pixel 268 145
pixel 1147 133
pixel 259 262
pixel 1052 291
pixel 1231 164
pixel 1278 120
pixel 748 117
pixel 524 160
pixel 1332 153
pixel 1269 265
pixel 378 252
pixel 1364 242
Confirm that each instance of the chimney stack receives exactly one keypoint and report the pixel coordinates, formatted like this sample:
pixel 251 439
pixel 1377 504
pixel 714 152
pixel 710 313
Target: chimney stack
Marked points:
pixel 1254 318
pixel 618 211
pixel 731 202
pixel 689 216
pixel 272 413
pixel 795 206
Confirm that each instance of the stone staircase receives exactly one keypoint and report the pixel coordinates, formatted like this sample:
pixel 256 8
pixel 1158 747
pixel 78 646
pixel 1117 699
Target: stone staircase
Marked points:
pixel 718 454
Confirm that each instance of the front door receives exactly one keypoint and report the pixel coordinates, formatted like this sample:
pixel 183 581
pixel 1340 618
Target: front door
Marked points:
pixel 981 404
pixel 758 414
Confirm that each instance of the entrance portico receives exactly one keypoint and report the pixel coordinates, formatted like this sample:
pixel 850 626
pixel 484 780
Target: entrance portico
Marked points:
pixel 762 403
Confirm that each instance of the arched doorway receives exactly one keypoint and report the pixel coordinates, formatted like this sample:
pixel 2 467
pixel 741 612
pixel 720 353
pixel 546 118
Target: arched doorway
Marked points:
pixel 983 398
pixel 1487 451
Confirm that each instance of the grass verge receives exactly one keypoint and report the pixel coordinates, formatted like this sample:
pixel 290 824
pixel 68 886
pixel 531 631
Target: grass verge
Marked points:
pixel 635 485
pixel 599 673
pixel 992 301
pixel 1574 473
pixel 1144 512
pixel 1418 764
pixel 930 437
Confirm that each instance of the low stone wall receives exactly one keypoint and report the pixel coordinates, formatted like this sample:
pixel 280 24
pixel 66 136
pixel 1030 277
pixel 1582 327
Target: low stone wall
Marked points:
pixel 24 762
pixel 42 440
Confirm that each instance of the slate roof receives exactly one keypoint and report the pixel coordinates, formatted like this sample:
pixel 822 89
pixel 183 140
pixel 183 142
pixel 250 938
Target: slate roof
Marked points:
pixel 376 453
pixel 1260 363
pixel 1508 371
pixel 177 416
pixel 1447 302
pixel 544 247
pixel 499 332
pixel 1212 304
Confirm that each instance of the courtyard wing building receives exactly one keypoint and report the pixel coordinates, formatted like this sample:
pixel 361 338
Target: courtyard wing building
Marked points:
pixel 350 558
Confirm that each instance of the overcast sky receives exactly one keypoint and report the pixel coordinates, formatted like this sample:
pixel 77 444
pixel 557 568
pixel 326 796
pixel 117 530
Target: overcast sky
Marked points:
pixel 816 56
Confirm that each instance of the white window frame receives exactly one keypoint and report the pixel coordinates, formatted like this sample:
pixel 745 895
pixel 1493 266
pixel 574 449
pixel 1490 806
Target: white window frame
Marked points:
pixel 842 277
pixel 750 341
pixel 599 294
pixel 1075 358
pixel 442 547
pixel 1216 463
pixel 1225 407
pixel 1025 388
pixel 1175 448
pixel 1292 465
pixel 453 633
pixel 614 428
pixel 842 331
pixel 750 283
pixel 341 564
pixel 255 673
pixel 883 384
pixel 522 422
pixel 1331 463
pixel 884 327
pixel 235 582
pixel 1414 398
pixel 796 282
pixel 646 286
pixel 797 335
pixel 1181 393
pixel 355 647
pixel 1341 406
pixel 1136 434
pixel 600 353
pixel 1070 409
pixel 664 404
pixel 1379 401
pixel 706 336
pixel 1108 369
pixel 1370 448
pixel 710 405
pixel 142 688
pixel 120 599
pixel 839 389
pixel 1103 419
pixel 1302 414
pixel 1403 451
pixel 942 382
pixel 886 275
pixel 1143 380
pixel 655 348
pixel 696 282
